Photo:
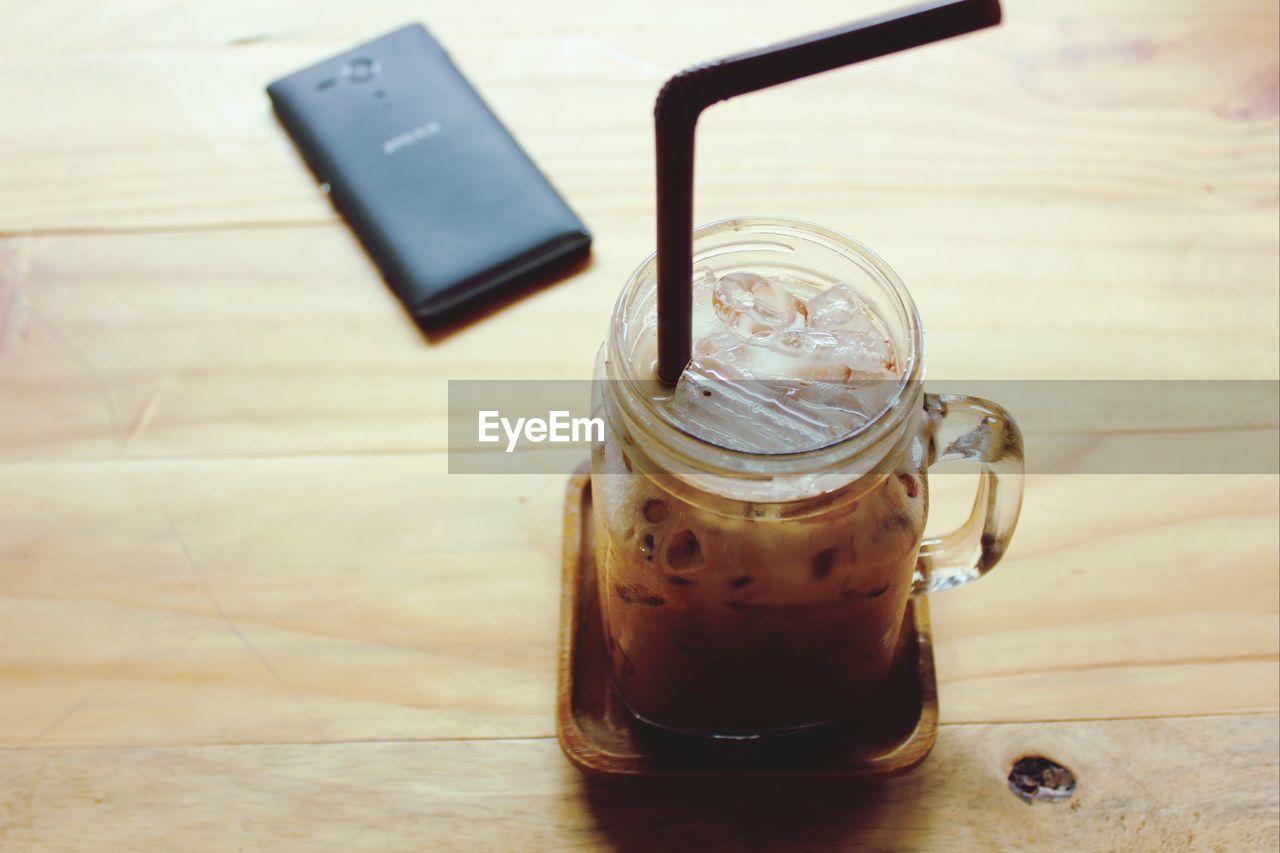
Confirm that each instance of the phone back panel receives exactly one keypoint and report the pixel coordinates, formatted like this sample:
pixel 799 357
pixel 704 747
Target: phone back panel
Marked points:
pixel 442 196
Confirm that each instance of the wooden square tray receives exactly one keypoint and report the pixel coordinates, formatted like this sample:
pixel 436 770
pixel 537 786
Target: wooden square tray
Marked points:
pixel 600 736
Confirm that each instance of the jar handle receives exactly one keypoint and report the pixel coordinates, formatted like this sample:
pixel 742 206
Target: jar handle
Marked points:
pixel 962 427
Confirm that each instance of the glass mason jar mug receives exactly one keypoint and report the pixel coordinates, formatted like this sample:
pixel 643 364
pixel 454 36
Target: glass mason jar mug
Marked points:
pixel 745 593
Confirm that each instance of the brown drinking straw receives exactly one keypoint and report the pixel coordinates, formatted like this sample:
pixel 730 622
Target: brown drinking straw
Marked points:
pixel 687 94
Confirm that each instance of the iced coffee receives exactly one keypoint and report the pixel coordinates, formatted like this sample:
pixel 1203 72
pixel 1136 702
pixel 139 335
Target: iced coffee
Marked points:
pixel 754 604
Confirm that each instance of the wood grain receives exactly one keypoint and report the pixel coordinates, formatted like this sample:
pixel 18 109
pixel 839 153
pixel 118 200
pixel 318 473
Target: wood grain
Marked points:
pixel 243 605
pixel 1176 784
pixel 1108 127
pixel 285 340
pixel 319 598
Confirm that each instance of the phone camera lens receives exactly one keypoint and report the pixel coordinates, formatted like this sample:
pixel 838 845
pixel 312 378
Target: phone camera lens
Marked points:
pixel 361 70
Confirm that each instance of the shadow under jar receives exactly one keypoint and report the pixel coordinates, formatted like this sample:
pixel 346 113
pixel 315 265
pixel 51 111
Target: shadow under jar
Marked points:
pixel 747 593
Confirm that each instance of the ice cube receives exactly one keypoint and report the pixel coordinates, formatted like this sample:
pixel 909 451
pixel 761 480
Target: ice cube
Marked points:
pixel 800 343
pixel 833 307
pixel 839 355
pixel 831 353
pixel 704 284
pixel 839 308
pixel 793 342
pixel 753 307
pixel 727 356
pixel 720 352
pixel 705 321
pixel 760 382
pixel 744 413
pixel 840 405
pixel 861 354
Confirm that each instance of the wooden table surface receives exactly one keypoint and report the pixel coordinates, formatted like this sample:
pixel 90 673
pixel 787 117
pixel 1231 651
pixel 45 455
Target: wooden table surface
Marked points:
pixel 243 605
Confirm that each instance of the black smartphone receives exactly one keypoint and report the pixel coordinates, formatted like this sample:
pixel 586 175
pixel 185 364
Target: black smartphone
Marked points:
pixel 442 196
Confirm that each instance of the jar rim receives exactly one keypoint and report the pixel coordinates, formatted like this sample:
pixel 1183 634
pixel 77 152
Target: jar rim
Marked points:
pixel 639 405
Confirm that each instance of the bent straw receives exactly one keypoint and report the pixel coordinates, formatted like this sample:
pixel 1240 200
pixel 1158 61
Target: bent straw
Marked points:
pixel 687 94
